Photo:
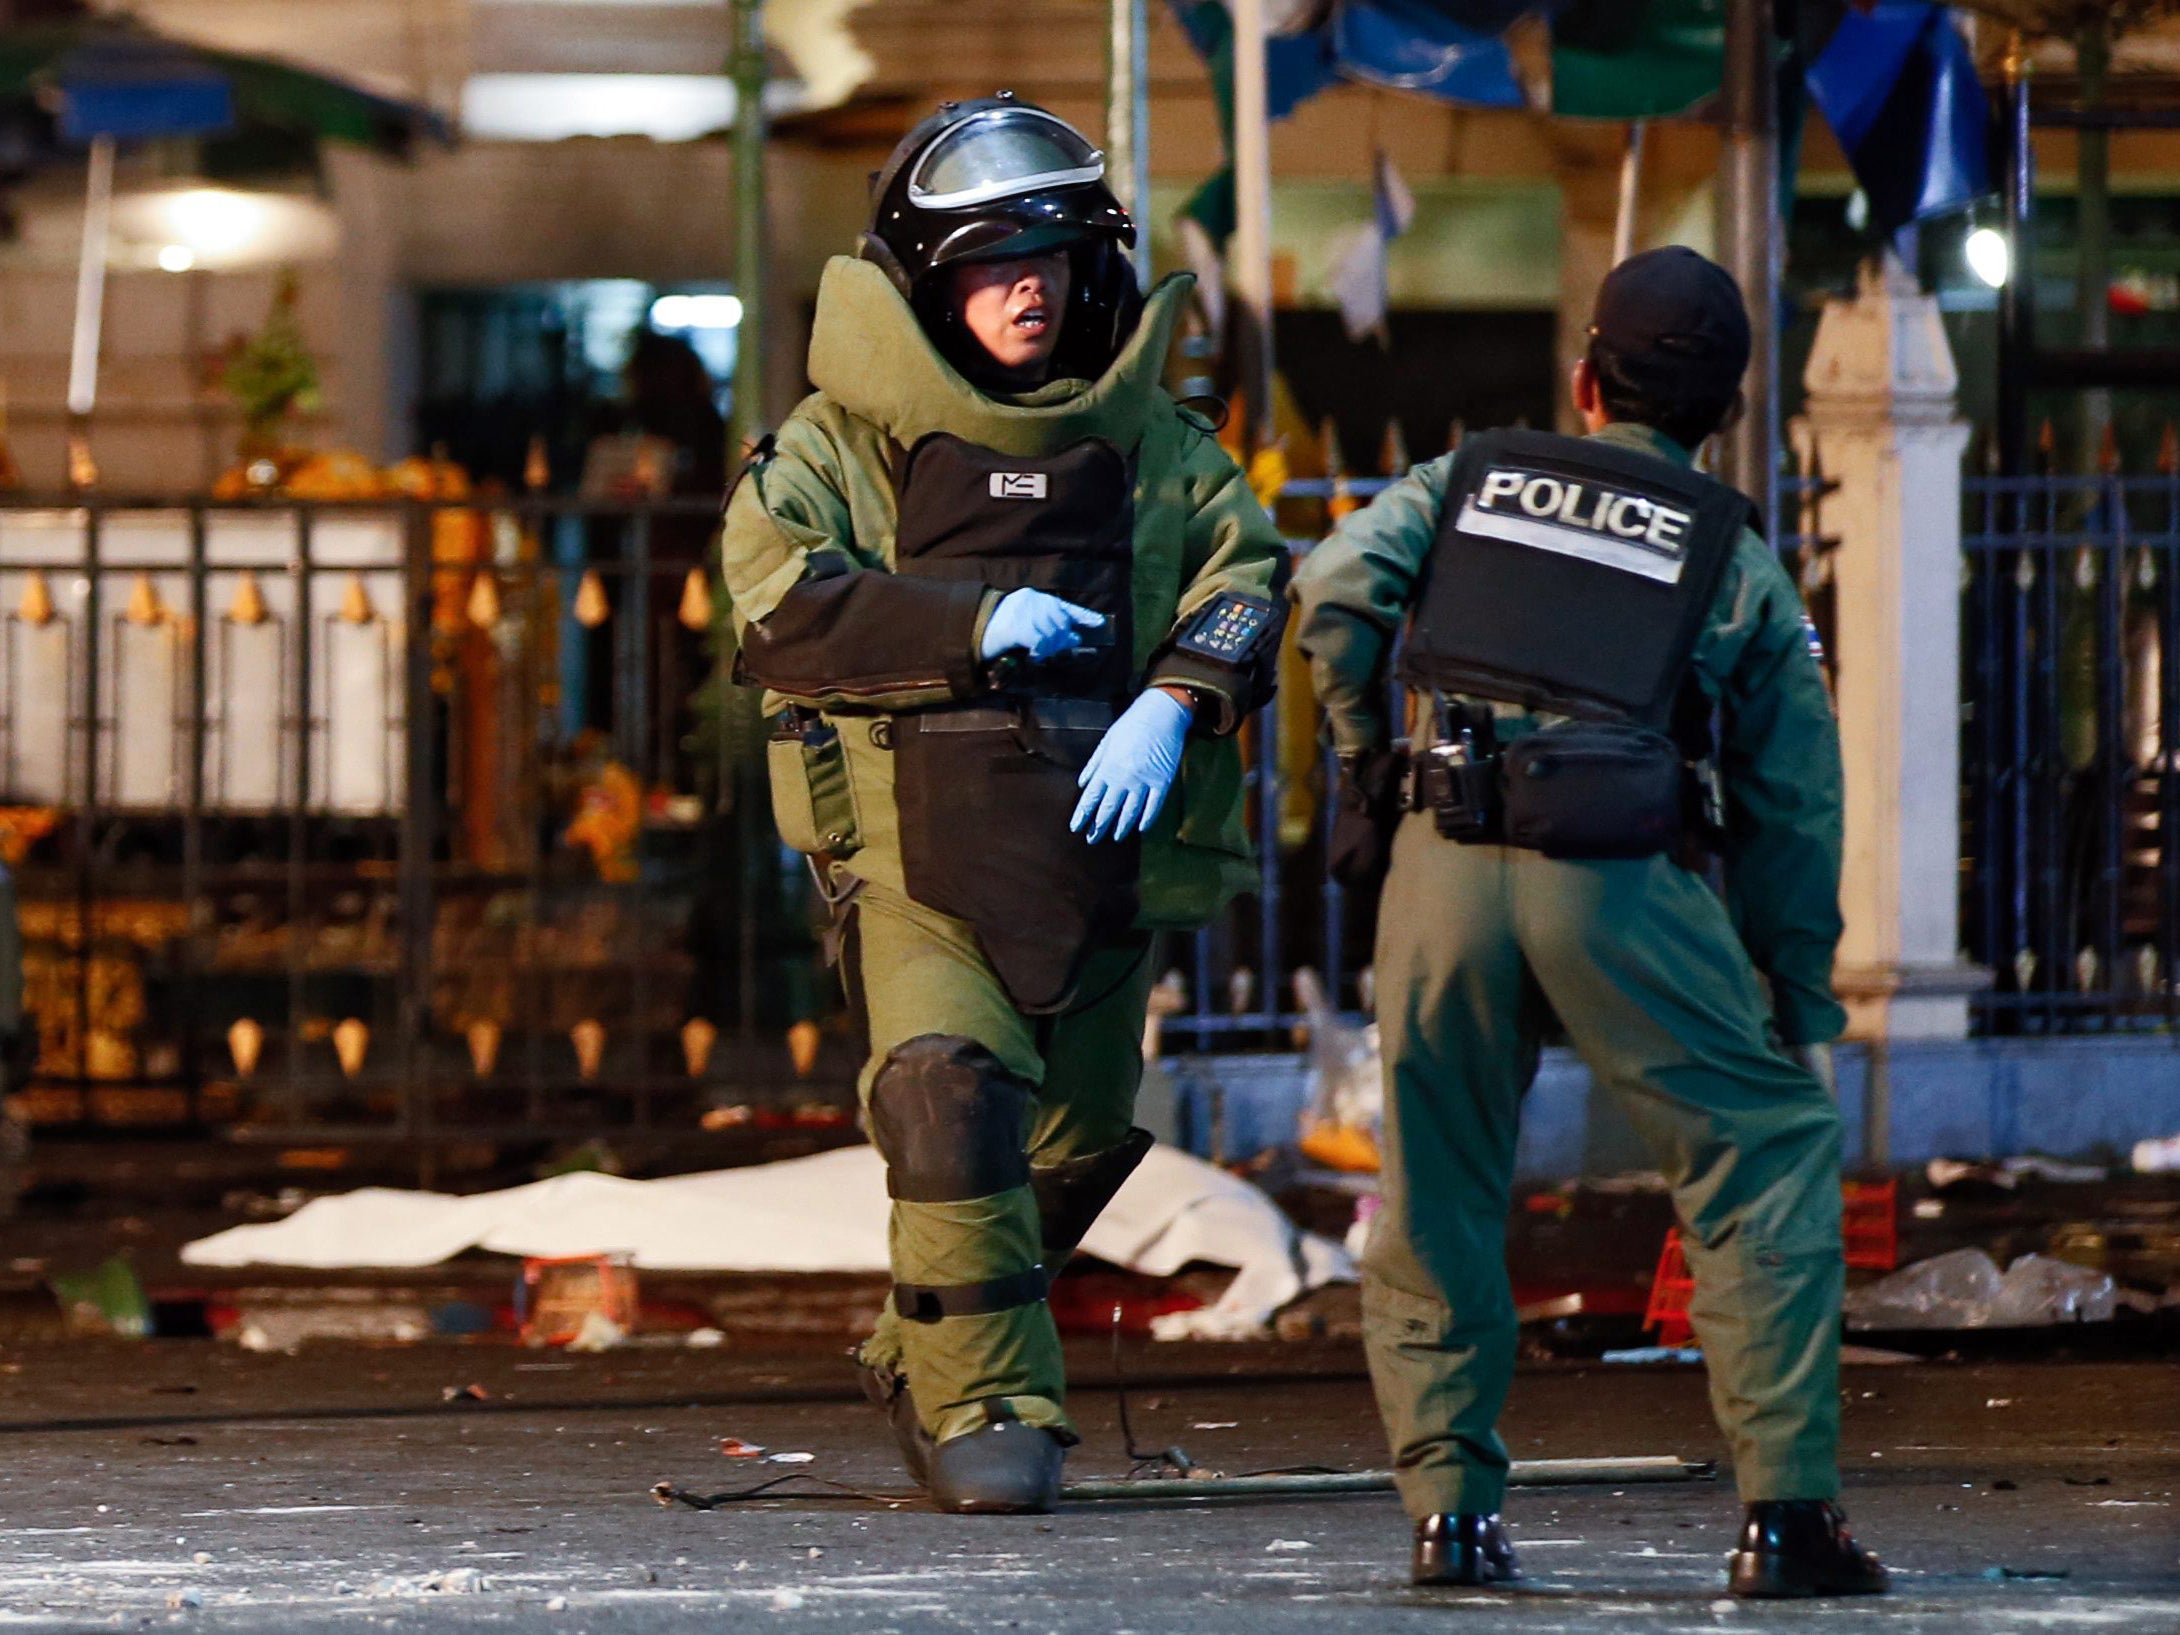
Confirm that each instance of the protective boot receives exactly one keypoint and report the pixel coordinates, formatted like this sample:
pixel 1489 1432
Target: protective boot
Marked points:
pixel 1801 1547
pixel 1469 1549
pixel 888 1390
pixel 1005 1468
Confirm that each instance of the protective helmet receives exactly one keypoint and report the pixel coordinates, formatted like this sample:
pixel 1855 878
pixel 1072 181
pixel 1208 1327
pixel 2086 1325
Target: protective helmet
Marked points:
pixel 994 180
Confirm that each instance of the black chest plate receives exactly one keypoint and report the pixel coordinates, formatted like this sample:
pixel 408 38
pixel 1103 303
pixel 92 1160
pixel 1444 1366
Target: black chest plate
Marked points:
pixel 1063 523
pixel 1571 576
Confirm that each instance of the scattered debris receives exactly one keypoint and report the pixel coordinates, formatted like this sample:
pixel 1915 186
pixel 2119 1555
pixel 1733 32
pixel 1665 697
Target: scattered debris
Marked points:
pixel 269 1320
pixel 598 1333
pixel 110 1300
pixel 2000 1574
pixel 1288 1546
pixel 787 1600
pixel 704 1339
pixel 2158 1157
pixel 558 1603
pixel 455 1581
pixel 1655 1354
pixel 464 1393
pixel 1965 1289
pixel 735 1448
pixel 1214 1424
pixel 2006 1174
pixel 789 1458
pixel 184 1600
pixel 1998 1402
pixel 1929 1209
pixel 559 1296
pixel 184 1441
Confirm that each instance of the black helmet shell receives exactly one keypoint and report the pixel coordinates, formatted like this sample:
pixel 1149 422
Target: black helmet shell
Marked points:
pixel 997 179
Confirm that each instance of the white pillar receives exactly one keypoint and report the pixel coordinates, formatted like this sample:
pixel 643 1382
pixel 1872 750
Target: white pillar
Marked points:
pixel 1882 416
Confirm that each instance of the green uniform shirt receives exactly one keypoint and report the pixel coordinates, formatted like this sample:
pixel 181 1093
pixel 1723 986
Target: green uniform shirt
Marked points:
pixel 1778 747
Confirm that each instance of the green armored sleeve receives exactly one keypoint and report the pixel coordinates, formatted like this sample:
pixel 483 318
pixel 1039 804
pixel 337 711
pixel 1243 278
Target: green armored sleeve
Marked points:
pixel 1232 548
pixel 1352 592
pixel 819 617
pixel 1779 761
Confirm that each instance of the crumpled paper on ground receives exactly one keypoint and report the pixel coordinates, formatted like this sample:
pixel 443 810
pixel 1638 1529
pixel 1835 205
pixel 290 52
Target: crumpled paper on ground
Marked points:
pixel 825 1213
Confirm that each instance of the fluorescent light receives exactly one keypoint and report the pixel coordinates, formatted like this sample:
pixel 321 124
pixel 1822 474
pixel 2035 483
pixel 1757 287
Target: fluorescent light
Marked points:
pixel 696 312
pixel 553 107
pixel 1990 257
pixel 180 226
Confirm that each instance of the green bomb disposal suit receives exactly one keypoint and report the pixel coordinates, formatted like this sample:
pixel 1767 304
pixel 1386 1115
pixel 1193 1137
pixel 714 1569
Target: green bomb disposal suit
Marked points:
pixel 1001 963
pixel 1679 1003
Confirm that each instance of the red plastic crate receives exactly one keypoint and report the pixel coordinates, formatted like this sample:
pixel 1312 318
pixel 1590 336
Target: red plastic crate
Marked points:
pixel 1870 1224
pixel 1670 1290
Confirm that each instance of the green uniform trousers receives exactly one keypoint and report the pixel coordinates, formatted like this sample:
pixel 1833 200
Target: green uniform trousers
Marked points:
pixel 913 973
pixel 1478 946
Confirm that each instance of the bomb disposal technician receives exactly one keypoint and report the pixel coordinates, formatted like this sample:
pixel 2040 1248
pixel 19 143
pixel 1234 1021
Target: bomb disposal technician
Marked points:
pixel 1010 603
pixel 1576 613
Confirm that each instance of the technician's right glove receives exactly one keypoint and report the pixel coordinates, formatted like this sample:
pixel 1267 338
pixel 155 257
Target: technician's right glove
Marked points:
pixel 1034 623
pixel 1361 842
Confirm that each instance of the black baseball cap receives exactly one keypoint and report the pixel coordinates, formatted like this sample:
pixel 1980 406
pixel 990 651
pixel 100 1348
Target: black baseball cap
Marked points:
pixel 1674 323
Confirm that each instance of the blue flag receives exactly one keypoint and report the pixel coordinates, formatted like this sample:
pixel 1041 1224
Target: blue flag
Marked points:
pixel 1898 86
pixel 1416 45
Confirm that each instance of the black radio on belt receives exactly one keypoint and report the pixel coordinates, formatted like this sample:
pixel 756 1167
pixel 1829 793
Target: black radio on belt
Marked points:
pixel 1230 629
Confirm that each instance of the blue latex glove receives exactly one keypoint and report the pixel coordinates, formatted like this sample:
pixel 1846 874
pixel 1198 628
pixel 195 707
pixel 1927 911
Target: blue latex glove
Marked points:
pixel 1029 621
pixel 1132 770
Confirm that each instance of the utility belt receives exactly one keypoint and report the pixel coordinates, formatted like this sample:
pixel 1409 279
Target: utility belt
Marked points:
pixel 1578 790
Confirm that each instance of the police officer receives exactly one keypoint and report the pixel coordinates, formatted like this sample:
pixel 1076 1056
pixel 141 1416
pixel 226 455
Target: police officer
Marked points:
pixel 1577 612
pixel 1011 603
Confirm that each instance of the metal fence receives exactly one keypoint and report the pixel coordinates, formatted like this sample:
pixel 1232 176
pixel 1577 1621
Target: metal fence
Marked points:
pixel 2070 733
pixel 422 820
pixel 384 819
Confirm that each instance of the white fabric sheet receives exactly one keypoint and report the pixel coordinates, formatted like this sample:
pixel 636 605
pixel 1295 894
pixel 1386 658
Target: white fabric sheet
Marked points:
pixel 825 1213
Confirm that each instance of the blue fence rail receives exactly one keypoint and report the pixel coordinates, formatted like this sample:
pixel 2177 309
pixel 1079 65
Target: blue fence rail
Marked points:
pixel 2071 728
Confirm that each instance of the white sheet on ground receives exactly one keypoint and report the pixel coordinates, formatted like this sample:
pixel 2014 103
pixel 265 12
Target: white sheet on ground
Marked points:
pixel 821 1214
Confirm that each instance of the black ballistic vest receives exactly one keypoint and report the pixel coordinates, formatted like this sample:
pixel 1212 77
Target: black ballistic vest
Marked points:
pixel 1570 576
pixel 985 788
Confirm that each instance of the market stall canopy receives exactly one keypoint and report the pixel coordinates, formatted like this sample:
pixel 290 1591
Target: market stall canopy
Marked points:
pixel 1893 77
pixel 113 77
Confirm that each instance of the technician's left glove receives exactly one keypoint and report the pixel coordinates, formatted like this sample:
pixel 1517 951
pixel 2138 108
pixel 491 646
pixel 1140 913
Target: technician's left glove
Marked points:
pixel 1132 770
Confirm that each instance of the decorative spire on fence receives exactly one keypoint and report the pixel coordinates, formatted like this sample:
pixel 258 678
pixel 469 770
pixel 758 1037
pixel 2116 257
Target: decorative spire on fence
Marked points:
pixel 1393 451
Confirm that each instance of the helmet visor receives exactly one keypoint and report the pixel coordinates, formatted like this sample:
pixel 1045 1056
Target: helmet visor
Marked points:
pixel 1001 154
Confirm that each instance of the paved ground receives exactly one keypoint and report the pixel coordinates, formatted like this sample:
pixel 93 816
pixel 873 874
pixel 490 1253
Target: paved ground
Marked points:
pixel 183 1484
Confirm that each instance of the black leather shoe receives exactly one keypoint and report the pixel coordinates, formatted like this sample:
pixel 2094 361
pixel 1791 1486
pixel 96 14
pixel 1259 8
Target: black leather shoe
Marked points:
pixel 889 1391
pixel 1005 1468
pixel 1798 1547
pixel 1471 1550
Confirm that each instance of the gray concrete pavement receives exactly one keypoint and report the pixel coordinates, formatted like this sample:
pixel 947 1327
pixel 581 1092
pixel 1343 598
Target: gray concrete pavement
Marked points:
pixel 179 1484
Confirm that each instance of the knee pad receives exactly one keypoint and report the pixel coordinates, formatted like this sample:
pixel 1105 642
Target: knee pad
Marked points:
pixel 948 1118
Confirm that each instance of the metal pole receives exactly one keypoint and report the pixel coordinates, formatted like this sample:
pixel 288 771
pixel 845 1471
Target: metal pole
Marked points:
pixel 749 226
pixel 2017 299
pixel 1525 1473
pixel 2093 228
pixel 1631 192
pixel 1128 122
pixel 98 200
pixel 1250 260
pixel 1748 240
